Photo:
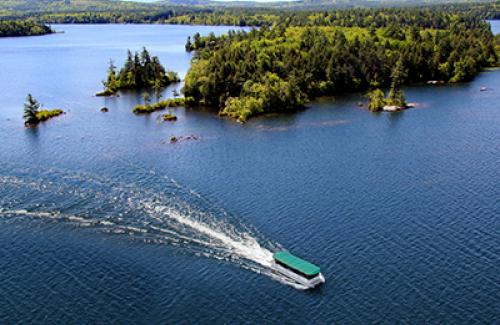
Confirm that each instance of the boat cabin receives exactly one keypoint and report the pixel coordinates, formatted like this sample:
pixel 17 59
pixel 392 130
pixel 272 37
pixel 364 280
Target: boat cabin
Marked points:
pixel 296 264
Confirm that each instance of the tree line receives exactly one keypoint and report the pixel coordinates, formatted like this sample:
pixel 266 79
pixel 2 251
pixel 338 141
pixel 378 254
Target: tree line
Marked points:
pixel 280 68
pixel 23 28
pixel 291 14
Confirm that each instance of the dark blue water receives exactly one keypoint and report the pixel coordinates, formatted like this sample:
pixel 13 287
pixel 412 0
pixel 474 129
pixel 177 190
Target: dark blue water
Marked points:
pixel 103 220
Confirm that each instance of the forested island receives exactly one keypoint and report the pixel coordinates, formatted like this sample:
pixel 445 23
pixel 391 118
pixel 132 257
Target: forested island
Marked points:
pixel 140 70
pixel 16 28
pixel 280 68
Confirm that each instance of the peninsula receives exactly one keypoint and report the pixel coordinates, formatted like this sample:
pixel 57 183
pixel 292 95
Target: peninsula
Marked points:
pixel 17 28
pixel 307 55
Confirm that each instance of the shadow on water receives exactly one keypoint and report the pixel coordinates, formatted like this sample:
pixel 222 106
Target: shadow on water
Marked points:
pixel 33 135
pixel 395 117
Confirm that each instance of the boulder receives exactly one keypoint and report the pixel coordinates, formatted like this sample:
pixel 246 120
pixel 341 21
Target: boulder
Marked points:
pixel 393 108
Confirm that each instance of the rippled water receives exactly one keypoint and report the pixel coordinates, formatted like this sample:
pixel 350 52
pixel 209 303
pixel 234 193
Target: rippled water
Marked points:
pixel 102 219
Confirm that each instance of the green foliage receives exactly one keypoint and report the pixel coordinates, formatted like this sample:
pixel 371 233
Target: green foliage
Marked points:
pixel 31 108
pixel 169 118
pixel 139 71
pixel 497 47
pixel 377 100
pixel 33 115
pixel 167 103
pixel 44 115
pixel 396 95
pixel 23 28
pixel 299 13
pixel 279 68
pixel 106 92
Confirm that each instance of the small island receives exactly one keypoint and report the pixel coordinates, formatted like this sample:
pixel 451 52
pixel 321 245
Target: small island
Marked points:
pixel 17 28
pixel 169 117
pixel 167 103
pixel 396 100
pixel 140 71
pixel 33 115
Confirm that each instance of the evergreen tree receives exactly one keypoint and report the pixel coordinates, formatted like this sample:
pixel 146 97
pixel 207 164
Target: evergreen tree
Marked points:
pixel 111 80
pixel 140 70
pixel 31 108
pixel 396 94
pixel 189 45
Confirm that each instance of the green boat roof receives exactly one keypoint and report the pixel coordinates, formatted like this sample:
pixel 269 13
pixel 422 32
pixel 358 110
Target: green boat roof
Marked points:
pixel 296 263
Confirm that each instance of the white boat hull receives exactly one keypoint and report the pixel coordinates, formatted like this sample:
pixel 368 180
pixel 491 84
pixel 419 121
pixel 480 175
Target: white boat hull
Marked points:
pixel 298 279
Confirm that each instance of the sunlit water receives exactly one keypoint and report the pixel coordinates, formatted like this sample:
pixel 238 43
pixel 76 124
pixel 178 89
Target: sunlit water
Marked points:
pixel 102 219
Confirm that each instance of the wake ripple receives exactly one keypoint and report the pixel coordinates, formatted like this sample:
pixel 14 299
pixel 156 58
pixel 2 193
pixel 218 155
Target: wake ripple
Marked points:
pixel 142 213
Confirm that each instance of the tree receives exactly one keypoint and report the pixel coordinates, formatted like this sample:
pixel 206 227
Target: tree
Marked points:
pixel 141 70
pixel 290 59
pixel 396 95
pixel 189 45
pixel 31 108
pixel 377 100
pixel 111 80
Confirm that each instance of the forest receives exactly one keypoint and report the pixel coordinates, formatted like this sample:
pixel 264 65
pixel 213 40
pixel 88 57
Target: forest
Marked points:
pixel 235 14
pixel 140 70
pixel 23 28
pixel 280 68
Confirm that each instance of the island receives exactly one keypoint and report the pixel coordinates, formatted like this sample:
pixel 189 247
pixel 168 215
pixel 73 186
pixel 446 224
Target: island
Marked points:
pixel 169 117
pixel 396 100
pixel 308 55
pixel 17 28
pixel 140 71
pixel 33 115
pixel 160 105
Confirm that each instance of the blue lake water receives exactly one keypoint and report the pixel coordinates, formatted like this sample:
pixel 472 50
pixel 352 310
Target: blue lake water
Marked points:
pixel 103 220
pixel 495 26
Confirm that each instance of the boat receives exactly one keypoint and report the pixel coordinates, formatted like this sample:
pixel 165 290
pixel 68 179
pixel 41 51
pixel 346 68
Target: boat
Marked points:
pixel 303 273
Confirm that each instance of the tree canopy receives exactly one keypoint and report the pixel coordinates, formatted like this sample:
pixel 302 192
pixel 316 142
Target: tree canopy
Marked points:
pixel 23 28
pixel 140 70
pixel 279 68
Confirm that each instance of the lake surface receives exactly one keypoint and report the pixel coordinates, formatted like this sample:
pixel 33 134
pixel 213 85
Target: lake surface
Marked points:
pixel 103 220
pixel 495 26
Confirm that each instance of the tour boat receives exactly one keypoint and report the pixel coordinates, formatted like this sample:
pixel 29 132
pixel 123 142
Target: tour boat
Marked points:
pixel 298 270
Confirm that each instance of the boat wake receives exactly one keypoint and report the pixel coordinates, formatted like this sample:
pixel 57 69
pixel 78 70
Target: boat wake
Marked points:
pixel 142 213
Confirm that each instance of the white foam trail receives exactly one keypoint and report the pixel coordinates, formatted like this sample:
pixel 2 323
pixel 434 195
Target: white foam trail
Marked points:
pixel 246 247
pixel 157 217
